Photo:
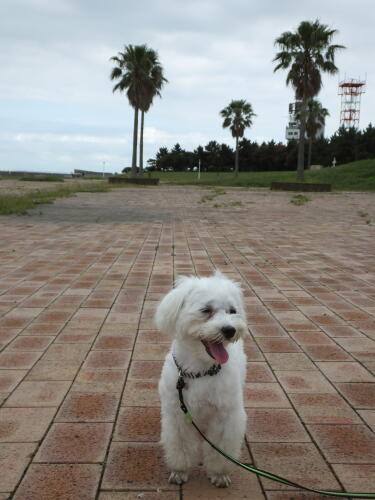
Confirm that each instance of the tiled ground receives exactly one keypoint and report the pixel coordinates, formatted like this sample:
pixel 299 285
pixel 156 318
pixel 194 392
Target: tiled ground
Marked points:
pixel 80 358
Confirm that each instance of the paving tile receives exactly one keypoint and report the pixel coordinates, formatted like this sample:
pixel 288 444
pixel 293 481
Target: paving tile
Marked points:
pixel 316 408
pixel 244 486
pixel 145 369
pixel 277 345
pixel 9 379
pixel 88 407
pixel 75 443
pixel 285 460
pixel 284 361
pixel 359 395
pixel 252 351
pixel 91 380
pixel 343 371
pixel 259 372
pixel 356 477
pixel 107 359
pixel 295 495
pixel 51 369
pixel 19 360
pixel 140 424
pixel 267 331
pixel 136 495
pixel 300 381
pixel 43 329
pixel 295 320
pixel 14 458
pixel 274 425
pixel 3 397
pixel 59 482
pixel 340 331
pixel 311 338
pixel 265 395
pixel 8 334
pixel 30 394
pixel 69 353
pixel 351 444
pixel 54 316
pixel 76 336
pixel 369 417
pixel 141 393
pixel 19 425
pixel 326 353
pixel 150 352
pixel 134 466
pixel 153 337
pixel 362 344
pixel 113 342
pixel 30 343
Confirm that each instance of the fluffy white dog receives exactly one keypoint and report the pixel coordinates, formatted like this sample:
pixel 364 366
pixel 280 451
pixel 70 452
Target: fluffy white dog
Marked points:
pixel 207 318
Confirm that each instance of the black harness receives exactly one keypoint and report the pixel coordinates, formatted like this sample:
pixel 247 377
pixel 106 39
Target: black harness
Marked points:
pixel 182 374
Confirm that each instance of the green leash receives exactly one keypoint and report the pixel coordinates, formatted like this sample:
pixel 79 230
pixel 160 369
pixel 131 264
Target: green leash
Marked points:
pixel 260 472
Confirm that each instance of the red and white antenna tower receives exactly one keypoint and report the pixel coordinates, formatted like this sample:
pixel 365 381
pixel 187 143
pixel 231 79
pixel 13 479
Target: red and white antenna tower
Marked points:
pixel 350 90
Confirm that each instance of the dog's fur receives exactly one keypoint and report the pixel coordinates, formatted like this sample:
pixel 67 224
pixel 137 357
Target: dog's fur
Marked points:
pixel 198 309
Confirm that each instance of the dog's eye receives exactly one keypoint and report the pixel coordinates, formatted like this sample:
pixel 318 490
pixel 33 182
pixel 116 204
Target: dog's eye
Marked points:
pixel 206 310
pixel 232 310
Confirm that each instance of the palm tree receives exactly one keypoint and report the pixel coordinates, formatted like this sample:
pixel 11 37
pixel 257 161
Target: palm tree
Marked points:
pixel 237 116
pixel 138 72
pixel 306 53
pixel 315 120
pixel 153 87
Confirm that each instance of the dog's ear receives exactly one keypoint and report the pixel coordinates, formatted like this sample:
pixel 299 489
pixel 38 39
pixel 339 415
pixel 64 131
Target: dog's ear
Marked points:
pixel 170 307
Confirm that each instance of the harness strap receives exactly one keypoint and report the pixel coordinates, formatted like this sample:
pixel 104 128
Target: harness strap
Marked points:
pixel 180 386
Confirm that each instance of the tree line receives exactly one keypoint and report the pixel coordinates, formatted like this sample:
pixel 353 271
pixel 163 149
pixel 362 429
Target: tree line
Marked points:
pixel 305 53
pixel 346 145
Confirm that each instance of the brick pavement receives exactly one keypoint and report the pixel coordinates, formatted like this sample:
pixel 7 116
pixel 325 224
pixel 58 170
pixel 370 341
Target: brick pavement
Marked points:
pixel 80 358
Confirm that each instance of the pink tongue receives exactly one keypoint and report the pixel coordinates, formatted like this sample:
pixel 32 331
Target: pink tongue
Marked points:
pixel 218 352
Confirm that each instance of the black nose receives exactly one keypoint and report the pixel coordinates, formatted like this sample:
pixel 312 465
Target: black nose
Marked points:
pixel 228 331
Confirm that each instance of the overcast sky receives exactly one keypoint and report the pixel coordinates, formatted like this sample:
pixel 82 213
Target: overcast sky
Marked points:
pixel 57 110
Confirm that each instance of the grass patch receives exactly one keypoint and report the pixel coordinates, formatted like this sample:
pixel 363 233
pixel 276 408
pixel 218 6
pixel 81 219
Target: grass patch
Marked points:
pixel 236 204
pixel 299 199
pixel 19 204
pixel 356 176
pixel 209 197
pixel 365 215
pixel 41 178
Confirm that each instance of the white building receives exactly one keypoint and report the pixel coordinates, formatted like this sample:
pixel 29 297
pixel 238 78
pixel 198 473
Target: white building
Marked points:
pixel 292 129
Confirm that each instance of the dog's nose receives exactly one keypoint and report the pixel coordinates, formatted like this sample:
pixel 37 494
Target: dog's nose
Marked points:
pixel 228 331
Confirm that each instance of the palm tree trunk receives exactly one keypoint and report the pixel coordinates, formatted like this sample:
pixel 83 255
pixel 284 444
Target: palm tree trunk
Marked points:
pixel 236 159
pixel 141 144
pixel 309 153
pixel 133 172
pixel 301 145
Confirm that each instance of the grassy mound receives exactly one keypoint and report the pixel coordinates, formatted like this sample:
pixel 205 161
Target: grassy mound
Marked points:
pixel 356 176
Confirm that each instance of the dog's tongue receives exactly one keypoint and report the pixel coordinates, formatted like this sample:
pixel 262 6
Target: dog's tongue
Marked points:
pixel 218 352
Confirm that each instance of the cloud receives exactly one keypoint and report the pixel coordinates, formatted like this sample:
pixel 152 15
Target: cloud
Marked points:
pixel 66 138
pixel 56 101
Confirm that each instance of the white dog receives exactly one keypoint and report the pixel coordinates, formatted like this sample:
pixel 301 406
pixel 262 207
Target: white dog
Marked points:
pixel 207 318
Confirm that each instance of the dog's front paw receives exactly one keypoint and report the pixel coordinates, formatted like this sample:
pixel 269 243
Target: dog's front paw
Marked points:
pixel 178 477
pixel 220 480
